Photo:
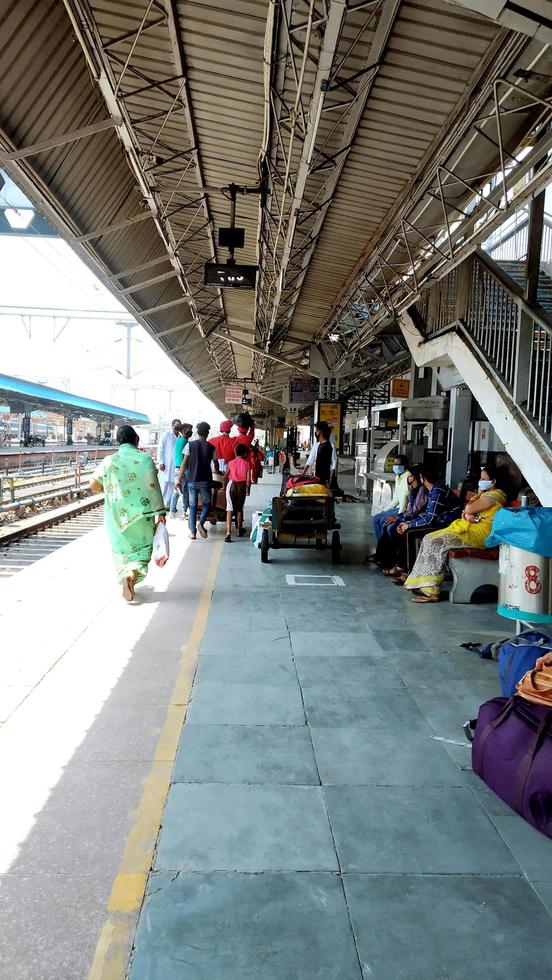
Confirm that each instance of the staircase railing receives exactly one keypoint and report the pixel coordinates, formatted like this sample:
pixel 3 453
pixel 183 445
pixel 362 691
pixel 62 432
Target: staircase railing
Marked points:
pixel 514 336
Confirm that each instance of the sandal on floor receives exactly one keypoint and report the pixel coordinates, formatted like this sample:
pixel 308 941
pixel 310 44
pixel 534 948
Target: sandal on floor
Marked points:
pixel 400 580
pixel 369 560
pixel 193 537
pixel 228 539
pixel 418 596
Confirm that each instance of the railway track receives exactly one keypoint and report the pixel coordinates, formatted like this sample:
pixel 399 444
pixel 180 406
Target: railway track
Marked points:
pixel 28 541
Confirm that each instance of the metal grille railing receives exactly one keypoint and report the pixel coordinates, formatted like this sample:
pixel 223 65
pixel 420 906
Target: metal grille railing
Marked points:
pixel 539 393
pixel 421 306
pixel 447 300
pixel 493 321
pixel 514 338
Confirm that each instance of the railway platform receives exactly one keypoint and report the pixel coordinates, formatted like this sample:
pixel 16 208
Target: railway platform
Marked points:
pixel 257 771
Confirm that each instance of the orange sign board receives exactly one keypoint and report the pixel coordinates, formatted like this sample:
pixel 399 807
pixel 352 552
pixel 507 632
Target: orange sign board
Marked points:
pixel 400 388
pixel 330 412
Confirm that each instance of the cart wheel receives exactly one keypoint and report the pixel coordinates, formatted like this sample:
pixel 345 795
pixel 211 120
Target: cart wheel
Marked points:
pixel 265 544
pixel 336 547
pixel 213 521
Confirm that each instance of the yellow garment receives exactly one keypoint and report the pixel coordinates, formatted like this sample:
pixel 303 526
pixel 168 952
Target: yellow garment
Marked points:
pixel 430 566
pixel 309 489
pixel 475 535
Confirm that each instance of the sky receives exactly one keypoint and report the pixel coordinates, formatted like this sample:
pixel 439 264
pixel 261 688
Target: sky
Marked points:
pixel 89 356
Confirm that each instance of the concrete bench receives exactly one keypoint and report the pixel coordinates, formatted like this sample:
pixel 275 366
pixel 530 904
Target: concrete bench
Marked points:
pixel 471 569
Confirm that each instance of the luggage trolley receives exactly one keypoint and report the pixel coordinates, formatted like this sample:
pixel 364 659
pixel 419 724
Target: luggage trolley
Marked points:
pixel 301 521
pixel 218 503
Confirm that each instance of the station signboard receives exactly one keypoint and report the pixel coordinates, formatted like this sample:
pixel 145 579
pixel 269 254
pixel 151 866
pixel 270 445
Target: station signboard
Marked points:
pixel 303 390
pixel 233 394
pixel 400 388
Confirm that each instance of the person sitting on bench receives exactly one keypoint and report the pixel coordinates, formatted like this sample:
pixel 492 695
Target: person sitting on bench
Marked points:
pixel 472 529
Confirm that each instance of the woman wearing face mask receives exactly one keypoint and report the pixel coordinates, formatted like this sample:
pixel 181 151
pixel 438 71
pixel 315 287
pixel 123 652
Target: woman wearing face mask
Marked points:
pixel 399 502
pixel 471 530
pixel 387 549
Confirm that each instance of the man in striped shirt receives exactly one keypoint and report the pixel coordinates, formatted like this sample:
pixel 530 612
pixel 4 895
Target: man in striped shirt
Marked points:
pixel 442 508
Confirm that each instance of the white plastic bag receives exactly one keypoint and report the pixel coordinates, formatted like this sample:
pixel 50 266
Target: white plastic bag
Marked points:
pixel 161 545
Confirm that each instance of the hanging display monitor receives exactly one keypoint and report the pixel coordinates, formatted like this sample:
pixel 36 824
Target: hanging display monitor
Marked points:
pixel 229 276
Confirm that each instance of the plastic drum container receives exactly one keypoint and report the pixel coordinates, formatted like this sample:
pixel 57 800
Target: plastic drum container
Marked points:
pixel 524 585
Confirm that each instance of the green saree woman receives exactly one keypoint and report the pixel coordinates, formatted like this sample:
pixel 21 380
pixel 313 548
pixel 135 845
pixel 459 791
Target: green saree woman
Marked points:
pixel 133 506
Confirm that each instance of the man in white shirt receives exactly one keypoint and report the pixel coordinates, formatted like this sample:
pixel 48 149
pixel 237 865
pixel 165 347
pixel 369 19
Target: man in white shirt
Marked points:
pixel 399 502
pixel 323 438
pixel 166 462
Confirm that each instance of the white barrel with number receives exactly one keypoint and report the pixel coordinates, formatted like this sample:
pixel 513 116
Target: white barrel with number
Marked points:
pixel 524 585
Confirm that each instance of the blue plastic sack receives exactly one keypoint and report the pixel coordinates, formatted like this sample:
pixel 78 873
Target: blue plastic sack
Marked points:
pixel 529 528
pixel 518 655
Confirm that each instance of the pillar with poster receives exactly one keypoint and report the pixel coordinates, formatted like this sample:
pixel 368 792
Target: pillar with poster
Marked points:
pixel 332 413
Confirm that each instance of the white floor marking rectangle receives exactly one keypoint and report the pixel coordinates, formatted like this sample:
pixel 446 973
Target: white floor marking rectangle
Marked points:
pixel 318 580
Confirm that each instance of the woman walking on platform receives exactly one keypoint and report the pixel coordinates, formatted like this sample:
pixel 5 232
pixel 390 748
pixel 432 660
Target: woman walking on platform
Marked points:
pixel 133 505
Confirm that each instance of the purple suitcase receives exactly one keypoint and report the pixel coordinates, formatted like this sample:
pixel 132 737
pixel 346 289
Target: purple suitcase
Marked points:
pixel 512 753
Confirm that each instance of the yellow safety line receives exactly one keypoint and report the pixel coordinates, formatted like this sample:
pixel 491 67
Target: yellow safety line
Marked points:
pixel 127 894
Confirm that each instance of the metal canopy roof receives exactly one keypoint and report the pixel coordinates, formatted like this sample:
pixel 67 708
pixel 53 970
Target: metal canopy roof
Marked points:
pixel 26 396
pixel 375 129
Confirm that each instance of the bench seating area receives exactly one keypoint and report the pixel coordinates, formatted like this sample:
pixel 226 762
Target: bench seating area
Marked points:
pixel 472 569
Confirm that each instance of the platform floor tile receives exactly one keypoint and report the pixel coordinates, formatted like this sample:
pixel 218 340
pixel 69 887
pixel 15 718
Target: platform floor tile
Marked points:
pixel 459 927
pixel 406 829
pixel 245 927
pixel 245 754
pixel 235 703
pixel 339 644
pixel 343 672
pixel 387 711
pixel 354 757
pixel 245 828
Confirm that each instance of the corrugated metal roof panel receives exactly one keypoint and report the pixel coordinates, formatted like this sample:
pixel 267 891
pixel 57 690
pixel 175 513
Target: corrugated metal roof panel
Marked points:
pixel 189 134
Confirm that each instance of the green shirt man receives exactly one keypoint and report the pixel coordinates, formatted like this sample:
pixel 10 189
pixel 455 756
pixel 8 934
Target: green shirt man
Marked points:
pixel 181 444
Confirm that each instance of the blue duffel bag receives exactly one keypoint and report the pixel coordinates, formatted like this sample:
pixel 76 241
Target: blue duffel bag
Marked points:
pixel 518 655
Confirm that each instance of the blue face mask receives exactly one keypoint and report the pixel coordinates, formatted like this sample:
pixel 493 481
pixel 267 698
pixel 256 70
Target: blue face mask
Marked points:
pixel 485 484
pixel 398 470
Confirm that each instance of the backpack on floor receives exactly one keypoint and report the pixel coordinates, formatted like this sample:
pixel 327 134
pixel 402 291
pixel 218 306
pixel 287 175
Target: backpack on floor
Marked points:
pixel 518 655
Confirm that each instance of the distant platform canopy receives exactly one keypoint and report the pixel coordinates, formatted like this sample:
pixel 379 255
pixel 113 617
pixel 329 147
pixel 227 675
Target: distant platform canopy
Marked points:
pixel 26 396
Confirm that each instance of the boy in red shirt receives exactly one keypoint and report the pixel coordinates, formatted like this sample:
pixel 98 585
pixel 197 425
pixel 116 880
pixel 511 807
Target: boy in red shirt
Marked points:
pixel 238 486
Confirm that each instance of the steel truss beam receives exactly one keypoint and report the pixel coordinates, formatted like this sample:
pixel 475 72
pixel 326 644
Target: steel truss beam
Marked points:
pixel 151 145
pixel 49 144
pixel 427 252
pixel 290 257
pixel 262 353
